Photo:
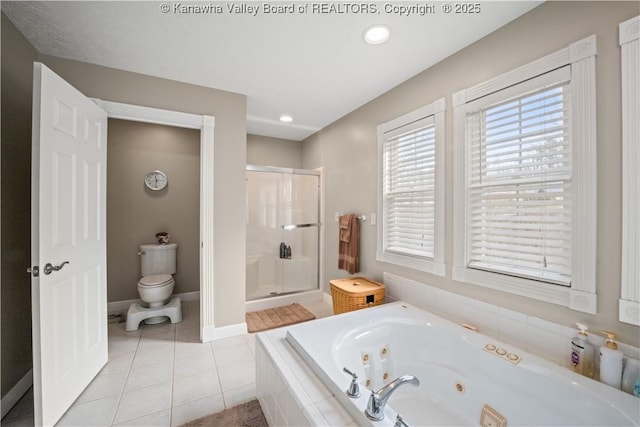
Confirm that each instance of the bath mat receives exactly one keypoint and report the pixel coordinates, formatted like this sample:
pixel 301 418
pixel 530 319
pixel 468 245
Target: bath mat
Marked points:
pixel 276 317
pixel 246 415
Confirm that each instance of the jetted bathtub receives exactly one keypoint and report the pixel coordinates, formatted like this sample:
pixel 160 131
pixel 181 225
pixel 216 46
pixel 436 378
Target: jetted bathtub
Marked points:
pixel 464 375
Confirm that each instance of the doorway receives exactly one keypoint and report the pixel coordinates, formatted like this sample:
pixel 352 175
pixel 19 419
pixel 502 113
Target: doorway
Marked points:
pixel 136 213
pixel 206 126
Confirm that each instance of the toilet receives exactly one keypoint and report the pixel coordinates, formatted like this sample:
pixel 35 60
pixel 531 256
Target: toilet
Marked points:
pixel 157 264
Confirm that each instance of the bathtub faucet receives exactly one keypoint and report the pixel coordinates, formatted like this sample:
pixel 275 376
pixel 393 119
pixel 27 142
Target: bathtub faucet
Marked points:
pixel 379 398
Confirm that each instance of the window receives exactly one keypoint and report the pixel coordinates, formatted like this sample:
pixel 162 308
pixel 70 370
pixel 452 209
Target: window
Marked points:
pixel 524 180
pixel 411 175
pixel 519 183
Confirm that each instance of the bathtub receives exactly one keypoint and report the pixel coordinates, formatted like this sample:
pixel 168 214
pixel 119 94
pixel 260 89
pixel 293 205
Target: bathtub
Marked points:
pixel 460 371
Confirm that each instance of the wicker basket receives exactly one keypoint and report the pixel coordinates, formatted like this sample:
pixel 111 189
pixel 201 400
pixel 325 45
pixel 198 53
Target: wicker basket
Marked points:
pixel 355 293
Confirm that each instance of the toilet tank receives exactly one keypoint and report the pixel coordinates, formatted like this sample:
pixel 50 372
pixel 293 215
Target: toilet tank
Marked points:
pixel 158 259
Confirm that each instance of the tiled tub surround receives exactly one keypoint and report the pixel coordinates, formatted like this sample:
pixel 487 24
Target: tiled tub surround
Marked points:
pixel 291 394
pixel 540 337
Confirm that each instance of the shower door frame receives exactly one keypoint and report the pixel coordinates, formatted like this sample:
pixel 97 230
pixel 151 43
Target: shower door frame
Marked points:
pixel 320 244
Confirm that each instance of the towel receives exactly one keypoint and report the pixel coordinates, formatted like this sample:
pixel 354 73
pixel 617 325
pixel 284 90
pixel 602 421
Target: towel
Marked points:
pixel 349 244
pixel 345 231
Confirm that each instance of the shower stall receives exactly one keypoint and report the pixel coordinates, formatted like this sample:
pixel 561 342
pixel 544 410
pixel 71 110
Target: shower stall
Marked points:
pixel 283 231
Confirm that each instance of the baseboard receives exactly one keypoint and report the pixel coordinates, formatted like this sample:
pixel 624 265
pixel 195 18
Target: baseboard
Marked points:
pixel 327 298
pixel 123 306
pixel 211 333
pixel 17 391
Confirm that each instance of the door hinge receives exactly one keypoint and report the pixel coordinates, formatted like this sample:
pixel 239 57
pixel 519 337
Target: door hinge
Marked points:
pixel 34 271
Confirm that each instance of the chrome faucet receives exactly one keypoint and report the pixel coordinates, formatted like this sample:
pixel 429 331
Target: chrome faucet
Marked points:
pixel 354 389
pixel 379 398
pixel 400 422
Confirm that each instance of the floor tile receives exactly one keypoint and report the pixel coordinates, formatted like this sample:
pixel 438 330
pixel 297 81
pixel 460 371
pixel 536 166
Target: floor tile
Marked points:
pixel 158 419
pixel 156 340
pixel 202 362
pixel 149 375
pixel 226 343
pixel 118 330
pixel 160 375
pixel 189 347
pixel 195 387
pixel 237 375
pixel 153 355
pixel 239 395
pixel 158 328
pixel 95 413
pixel 188 331
pixel 196 409
pixel 233 355
pixel 319 308
pixel 144 401
pixel 120 362
pixel 120 344
pixel 103 386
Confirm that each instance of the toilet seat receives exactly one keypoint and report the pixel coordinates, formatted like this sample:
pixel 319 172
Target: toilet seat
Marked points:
pixel 155 280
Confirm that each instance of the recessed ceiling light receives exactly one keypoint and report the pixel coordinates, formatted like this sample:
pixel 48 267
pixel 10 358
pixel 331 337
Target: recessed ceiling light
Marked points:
pixel 286 119
pixel 376 34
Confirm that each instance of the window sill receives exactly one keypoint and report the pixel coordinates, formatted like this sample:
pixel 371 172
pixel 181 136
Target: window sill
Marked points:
pixel 421 264
pixel 541 291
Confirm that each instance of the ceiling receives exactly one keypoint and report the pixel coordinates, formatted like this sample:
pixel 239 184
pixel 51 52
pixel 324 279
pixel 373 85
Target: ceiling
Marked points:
pixel 310 64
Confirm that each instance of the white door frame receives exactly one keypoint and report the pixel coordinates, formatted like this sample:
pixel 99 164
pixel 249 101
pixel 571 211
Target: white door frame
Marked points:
pixel 206 125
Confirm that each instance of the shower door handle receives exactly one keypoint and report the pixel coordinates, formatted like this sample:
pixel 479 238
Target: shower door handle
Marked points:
pixel 294 226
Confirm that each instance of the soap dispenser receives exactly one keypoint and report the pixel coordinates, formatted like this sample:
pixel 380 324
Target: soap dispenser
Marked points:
pixel 582 353
pixel 611 361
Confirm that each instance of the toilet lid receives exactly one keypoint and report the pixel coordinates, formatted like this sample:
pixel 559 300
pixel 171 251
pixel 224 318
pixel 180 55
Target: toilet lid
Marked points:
pixel 155 280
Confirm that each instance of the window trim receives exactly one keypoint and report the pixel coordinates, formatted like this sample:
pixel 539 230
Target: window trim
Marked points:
pixel 629 304
pixel 437 265
pixel 581 296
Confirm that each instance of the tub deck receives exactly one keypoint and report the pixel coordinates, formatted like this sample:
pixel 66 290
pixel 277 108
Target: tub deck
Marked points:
pixel 445 356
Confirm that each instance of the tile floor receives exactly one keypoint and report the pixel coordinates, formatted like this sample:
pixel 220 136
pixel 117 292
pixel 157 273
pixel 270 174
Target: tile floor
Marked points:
pixel 162 375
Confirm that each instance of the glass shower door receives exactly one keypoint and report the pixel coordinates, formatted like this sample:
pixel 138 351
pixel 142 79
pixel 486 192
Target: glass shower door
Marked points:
pixel 282 211
pixel 300 225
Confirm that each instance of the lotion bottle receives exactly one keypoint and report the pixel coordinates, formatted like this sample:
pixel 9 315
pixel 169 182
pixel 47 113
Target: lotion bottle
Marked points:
pixel 611 361
pixel 582 353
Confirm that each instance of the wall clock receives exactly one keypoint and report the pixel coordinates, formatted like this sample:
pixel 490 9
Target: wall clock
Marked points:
pixel 156 180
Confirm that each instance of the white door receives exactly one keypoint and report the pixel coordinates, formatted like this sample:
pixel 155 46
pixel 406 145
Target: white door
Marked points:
pixel 69 300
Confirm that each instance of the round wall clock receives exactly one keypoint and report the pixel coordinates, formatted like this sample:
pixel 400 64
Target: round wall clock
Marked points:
pixel 156 180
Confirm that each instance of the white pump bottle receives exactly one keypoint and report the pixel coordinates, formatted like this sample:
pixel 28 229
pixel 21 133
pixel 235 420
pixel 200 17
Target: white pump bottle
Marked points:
pixel 611 361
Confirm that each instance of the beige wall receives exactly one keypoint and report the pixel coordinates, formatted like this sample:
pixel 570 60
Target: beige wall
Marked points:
pixel 347 148
pixel 135 213
pixel 229 110
pixel 267 151
pixel 17 75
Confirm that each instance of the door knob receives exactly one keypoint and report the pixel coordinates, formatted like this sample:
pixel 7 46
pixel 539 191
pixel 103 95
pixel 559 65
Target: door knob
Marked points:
pixel 49 268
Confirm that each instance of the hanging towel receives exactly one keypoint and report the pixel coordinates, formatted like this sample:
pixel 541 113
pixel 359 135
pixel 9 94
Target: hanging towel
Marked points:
pixel 349 244
pixel 345 231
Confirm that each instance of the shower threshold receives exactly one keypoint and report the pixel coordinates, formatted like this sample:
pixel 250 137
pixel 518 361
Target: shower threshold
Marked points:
pixel 264 302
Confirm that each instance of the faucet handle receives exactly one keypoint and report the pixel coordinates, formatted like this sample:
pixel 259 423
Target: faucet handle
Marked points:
pixel 354 388
pixel 400 422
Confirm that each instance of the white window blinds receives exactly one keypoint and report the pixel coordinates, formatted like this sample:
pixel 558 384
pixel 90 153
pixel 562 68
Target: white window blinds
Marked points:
pixel 408 170
pixel 519 180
